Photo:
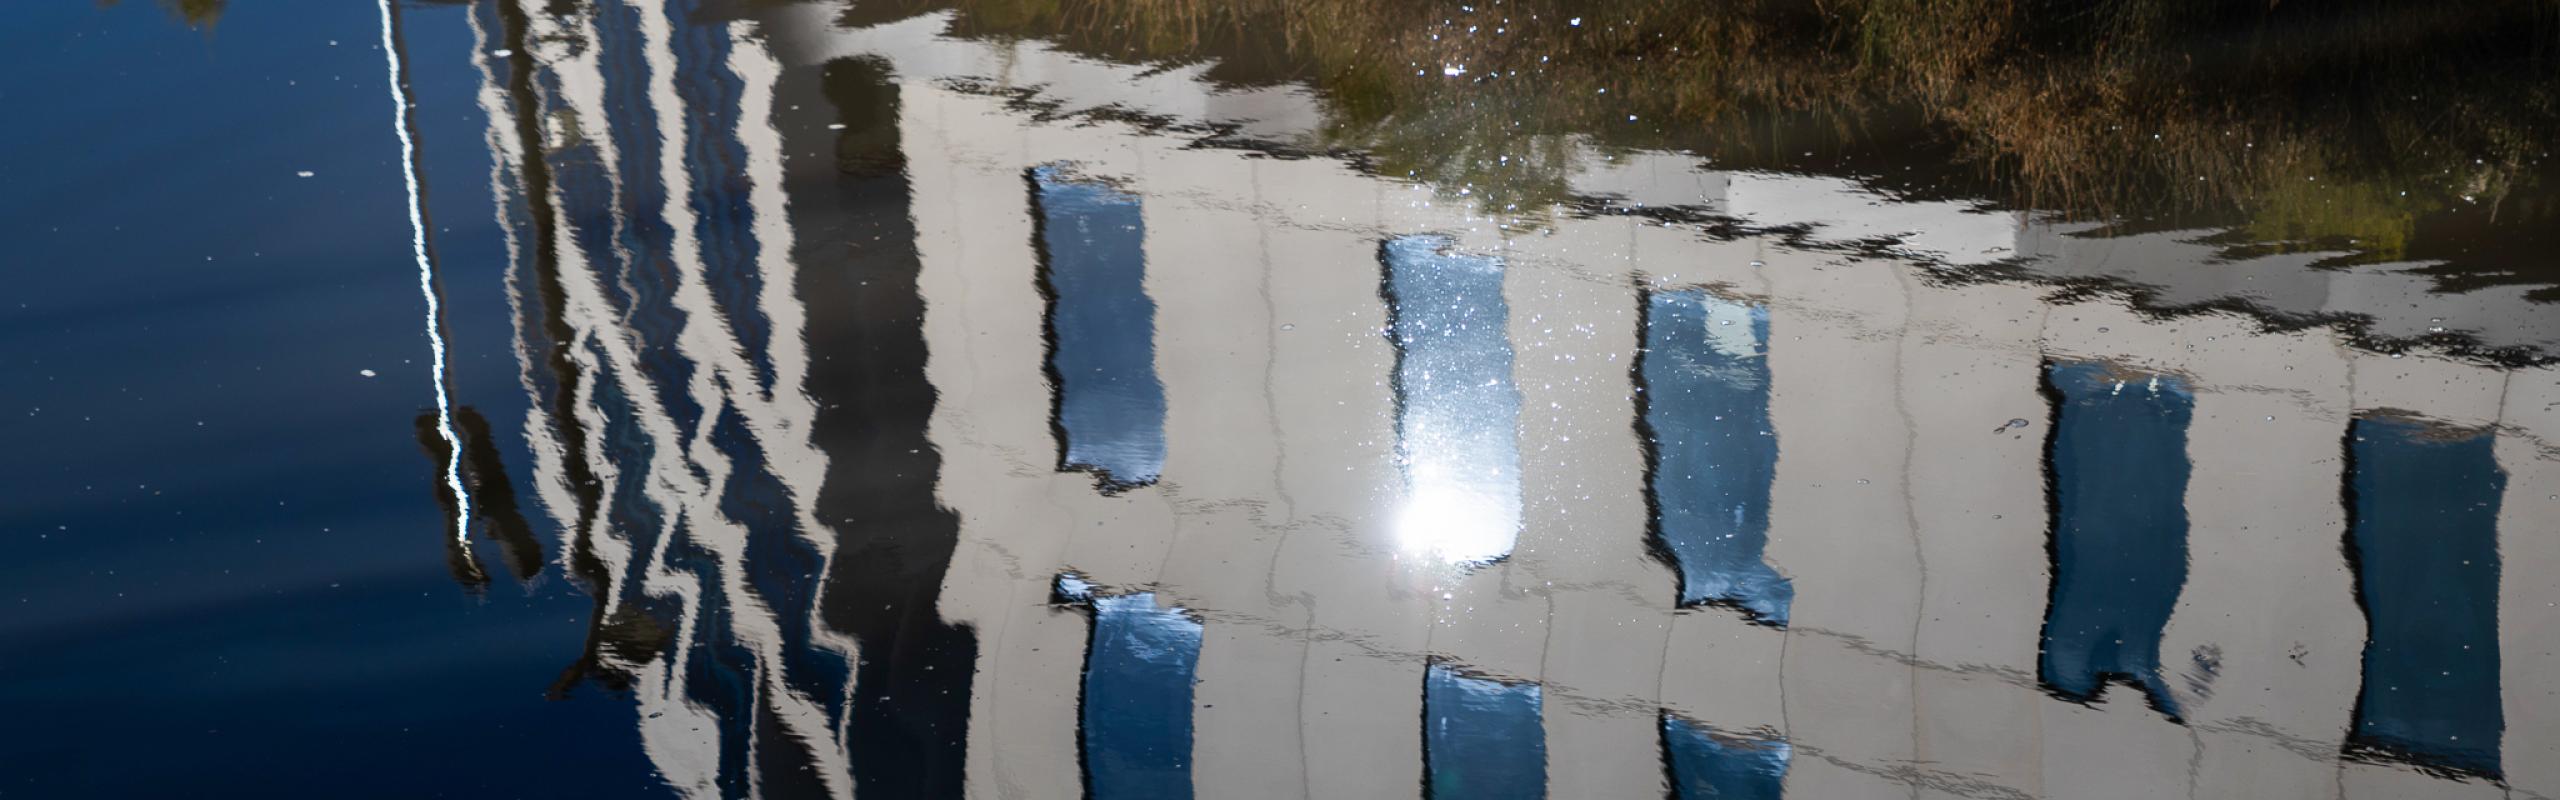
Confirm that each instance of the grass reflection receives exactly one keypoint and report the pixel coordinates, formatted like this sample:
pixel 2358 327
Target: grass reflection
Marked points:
pixel 2335 127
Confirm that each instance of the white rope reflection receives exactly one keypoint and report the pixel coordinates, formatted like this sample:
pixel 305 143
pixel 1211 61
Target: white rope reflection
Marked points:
pixel 426 278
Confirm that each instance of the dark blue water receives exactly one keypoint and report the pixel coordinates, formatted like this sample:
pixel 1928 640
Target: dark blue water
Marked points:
pixel 229 556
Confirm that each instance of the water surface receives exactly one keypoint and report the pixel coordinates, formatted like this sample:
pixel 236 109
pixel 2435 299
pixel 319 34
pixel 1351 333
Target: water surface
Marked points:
pixel 1122 399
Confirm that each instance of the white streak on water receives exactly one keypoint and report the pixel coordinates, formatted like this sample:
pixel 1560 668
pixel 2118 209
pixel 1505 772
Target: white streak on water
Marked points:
pixel 426 282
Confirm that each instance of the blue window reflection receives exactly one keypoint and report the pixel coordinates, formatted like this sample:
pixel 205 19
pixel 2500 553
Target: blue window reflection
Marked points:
pixel 1704 381
pixel 1457 411
pixel 1708 763
pixel 2118 462
pixel 1138 673
pixel 2423 529
pixel 1482 738
pixel 1108 403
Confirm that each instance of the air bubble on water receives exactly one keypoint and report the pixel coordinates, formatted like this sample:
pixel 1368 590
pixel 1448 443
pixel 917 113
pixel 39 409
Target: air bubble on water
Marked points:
pixel 365 372
pixel 304 174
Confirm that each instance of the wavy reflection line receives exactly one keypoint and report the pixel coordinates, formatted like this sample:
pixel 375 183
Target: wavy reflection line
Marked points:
pixel 701 745
pixel 593 344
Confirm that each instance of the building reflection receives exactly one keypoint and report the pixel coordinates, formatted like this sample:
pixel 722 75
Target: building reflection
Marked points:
pixel 813 317
pixel 729 416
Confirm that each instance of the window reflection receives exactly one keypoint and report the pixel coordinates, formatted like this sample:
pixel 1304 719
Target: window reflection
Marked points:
pixel 2117 460
pixel 2422 530
pixel 1138 671
pixel 1457 412
pixel 1482 738
pixel 1709 763
pixel 1108 403
pixel 1703 390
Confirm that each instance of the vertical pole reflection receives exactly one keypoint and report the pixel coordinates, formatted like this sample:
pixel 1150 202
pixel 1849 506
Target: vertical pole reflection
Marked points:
pixel 1708 763
pixel 2117 460
pixel 2422 534
pixel 1136 710
pixel 1108 406
pixel 1481 738
pixel 1457 411
pixel 1703 395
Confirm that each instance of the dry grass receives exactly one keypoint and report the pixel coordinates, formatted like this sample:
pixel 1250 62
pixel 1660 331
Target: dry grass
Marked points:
pixel 2292 116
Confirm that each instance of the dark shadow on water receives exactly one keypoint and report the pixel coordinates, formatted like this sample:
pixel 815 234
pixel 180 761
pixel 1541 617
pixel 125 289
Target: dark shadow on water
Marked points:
pixel 493 502
pixel 908 732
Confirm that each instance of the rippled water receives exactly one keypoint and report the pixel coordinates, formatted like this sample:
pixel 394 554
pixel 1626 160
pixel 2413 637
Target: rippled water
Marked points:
pixel 1130 399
